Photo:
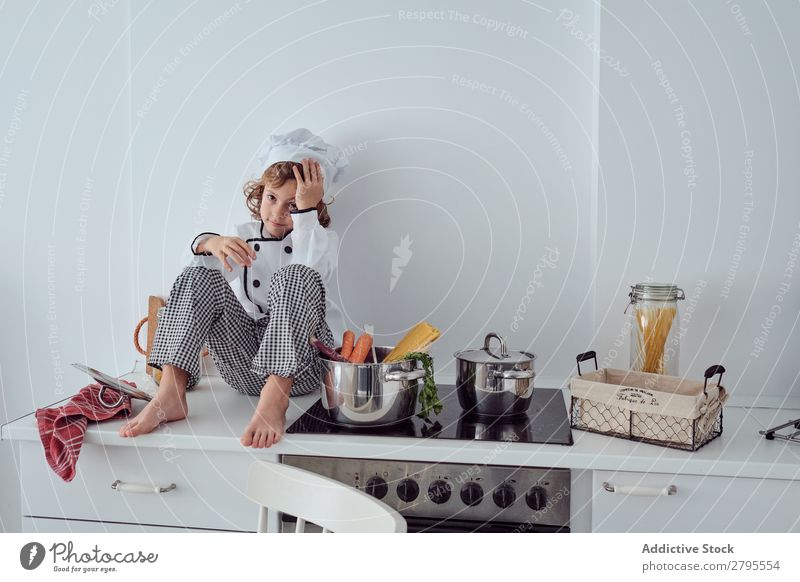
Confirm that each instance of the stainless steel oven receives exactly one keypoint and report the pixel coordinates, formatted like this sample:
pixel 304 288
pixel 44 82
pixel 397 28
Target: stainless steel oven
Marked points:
pixel 455 497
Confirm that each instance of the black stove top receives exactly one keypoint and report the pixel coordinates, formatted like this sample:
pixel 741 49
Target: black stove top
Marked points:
pixel 547 421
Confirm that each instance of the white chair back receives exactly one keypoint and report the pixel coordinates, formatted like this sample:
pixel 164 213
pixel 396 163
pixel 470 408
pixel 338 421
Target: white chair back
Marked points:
pixel 313 498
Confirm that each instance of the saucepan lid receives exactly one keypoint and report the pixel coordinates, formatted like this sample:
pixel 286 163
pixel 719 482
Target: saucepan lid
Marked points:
pixel 107 381
pixel 501 355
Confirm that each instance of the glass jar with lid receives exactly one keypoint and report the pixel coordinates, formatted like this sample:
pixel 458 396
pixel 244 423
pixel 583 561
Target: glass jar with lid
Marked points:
pixel 654 327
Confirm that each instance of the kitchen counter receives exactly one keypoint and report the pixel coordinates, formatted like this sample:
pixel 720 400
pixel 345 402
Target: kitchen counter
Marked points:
pixel 218 415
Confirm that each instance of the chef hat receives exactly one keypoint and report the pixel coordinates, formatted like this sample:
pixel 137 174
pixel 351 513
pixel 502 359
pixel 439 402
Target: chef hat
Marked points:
pixel 301 143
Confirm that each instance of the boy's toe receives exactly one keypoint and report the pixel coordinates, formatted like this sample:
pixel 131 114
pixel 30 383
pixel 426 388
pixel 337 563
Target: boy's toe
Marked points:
pixel 247 438
pixel 262 439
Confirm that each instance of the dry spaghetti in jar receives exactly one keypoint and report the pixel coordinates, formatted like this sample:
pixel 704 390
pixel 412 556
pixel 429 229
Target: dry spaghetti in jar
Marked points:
pixel 654 327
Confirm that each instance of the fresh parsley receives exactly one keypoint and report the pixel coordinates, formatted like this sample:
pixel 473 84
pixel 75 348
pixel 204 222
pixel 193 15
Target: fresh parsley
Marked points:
pixel 429 395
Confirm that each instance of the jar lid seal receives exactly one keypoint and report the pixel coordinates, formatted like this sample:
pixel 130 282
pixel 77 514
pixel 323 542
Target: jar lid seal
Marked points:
pixel 656 291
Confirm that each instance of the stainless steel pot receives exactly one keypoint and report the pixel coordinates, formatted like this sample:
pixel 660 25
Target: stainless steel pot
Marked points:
pixel 494 383
pixel 370 394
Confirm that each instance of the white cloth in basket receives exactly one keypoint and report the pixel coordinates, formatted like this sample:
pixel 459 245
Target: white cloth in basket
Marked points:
pixel 643 405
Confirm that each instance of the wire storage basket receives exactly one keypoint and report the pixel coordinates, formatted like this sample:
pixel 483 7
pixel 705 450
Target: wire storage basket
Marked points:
pixel 653 408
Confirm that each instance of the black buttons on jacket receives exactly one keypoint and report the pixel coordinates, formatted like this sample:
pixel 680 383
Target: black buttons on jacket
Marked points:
pixel 256 283
pixel 257 247
pixel 288 249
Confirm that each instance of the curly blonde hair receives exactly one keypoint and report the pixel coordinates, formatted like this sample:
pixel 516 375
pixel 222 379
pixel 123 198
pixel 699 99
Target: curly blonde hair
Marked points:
pixel 275 176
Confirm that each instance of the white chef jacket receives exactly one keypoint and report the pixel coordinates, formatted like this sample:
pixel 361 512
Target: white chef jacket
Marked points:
pixel 308 243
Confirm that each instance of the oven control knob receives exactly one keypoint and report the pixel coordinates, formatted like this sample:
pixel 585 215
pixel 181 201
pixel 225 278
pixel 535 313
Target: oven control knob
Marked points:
pixel 407 490
pixel 504 496
pixel 439 491
pixel 536 498
pixel 376 486
pixel 471 493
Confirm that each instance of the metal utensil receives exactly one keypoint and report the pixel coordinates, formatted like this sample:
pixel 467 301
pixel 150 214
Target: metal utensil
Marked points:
pixel 107 382
pixel 370 330
pixel 792 435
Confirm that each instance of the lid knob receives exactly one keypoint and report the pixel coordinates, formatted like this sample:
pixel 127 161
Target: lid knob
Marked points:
pixel 487 340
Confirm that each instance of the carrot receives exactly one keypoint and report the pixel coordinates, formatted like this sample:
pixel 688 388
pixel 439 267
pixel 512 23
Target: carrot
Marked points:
pixel 361 349
pixel 348 340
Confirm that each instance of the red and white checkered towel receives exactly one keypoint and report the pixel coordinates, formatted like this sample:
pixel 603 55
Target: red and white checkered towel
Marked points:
pixel 62 429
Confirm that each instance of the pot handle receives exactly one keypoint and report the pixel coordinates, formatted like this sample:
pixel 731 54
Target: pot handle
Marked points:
pixel 586 356
pixel 487 340
pixel 404 376
pixel 101 397
pixel 515 374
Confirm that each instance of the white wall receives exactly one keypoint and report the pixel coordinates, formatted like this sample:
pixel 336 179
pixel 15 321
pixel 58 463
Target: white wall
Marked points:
pixel 64 206
pixel 133 126
pixel 698 182
pixel 466 174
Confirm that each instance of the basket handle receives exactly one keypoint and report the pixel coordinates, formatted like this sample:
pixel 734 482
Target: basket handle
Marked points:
pixel 138 346
pixel 586 356
pixel 136 343
pixel 717 369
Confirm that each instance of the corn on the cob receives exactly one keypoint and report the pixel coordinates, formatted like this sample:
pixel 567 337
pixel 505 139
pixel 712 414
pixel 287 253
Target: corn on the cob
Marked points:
pixel 417 339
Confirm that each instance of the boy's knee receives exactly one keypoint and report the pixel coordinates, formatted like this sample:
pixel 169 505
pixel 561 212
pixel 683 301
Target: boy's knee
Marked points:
pixel 296 269
pixel 197 270
pixel 200 274
pixel 298 272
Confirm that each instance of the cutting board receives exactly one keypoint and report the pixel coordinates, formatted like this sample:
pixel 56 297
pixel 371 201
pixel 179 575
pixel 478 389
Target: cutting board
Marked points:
pixel 154 303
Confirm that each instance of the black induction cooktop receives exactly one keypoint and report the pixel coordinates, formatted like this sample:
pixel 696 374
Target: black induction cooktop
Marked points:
pixel 546 421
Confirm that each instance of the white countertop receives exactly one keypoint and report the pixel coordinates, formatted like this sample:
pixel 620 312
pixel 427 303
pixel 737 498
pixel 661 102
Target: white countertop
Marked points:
pixel 218 415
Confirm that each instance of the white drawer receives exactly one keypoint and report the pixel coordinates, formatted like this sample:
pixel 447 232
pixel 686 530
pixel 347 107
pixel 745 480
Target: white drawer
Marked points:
pixel 46 525
pixel 700 504
pixel 208 489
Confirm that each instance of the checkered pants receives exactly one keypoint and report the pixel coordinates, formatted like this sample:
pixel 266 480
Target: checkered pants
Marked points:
pixel 202 309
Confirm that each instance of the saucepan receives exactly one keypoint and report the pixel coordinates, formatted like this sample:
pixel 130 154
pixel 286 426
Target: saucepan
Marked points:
pixel 370 394
pixel 494 382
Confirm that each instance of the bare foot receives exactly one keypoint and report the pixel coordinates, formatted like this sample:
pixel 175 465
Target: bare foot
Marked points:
pixel 168 404
pixel 267 425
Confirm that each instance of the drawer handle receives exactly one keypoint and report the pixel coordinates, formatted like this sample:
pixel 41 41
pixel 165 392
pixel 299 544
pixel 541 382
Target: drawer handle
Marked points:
pixel 141 488
pixel 637 490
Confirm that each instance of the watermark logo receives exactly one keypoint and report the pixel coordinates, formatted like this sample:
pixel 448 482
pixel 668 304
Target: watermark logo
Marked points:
pixel 402 255
pixel 569 20
pixel 547 260
pixel 31 555
pixel 71 560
